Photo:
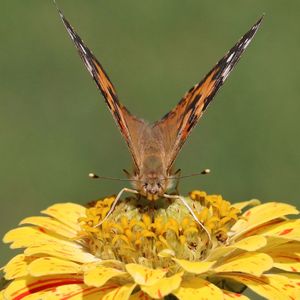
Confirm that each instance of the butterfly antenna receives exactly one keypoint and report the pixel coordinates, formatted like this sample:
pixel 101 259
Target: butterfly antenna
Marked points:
pixel 95 176
pixel 204 172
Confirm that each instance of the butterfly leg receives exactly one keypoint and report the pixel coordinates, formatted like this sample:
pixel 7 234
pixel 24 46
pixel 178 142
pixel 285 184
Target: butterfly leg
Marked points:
pixel 115 203
pixel 190 211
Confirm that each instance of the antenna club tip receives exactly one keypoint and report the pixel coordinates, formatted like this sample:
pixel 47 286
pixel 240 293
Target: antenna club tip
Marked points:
pixel 206 171
pixel 93 175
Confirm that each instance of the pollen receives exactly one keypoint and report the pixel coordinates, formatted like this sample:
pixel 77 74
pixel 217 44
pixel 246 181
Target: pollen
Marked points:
pixel 137 233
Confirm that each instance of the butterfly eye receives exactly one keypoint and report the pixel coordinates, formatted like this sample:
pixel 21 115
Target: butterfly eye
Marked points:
pixel 158 185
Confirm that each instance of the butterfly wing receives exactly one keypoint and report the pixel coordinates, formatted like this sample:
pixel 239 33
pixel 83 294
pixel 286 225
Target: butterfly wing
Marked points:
pixel 179 122
pixel 128 124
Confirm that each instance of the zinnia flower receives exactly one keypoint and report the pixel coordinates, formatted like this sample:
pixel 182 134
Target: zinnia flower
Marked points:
pixel 156 251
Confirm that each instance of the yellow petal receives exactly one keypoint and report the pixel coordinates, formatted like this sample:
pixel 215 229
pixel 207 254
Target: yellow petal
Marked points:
pixel 120 293
pixel 55 288
pixel 74 292
pixel 50 265
pixel 286 256
pixel 197 288
pixel 242 205
pixel 250 243
pixel 67 213
pixel 193 266
pixel 143 275
pixel 64 252
pixel 140 295
pixel 51 225
pixel 17 266
pixel 285 230
pixel 219 252
pixel 99 275
pixel 262 214
pixel 250 263
pixel 231 295
pixel 268 211
pixel 24 237
pixel 163 287
pixel 39 242
pixel 294 278
pixel 269 286
pixel 22 287
pixel 44 295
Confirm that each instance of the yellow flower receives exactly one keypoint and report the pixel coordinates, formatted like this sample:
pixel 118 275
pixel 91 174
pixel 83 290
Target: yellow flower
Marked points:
pixel 156 251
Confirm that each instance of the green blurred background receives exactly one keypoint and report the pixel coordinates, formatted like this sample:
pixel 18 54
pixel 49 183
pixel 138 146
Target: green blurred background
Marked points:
pixel 55 127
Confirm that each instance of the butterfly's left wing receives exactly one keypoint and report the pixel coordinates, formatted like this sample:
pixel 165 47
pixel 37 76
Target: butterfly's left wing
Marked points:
pixel 179 122
pixel 129 125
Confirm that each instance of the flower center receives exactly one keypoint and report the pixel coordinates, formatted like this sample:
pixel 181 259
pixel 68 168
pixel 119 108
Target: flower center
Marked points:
pixel 141 232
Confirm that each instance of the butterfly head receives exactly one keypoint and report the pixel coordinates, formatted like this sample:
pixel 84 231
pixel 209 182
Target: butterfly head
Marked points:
pixel 152 185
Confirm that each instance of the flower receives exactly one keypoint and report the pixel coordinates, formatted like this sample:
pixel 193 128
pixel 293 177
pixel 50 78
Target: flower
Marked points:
pixel 154 250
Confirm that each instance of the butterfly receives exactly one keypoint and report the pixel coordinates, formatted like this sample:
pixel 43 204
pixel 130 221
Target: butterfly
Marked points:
pixel 154 147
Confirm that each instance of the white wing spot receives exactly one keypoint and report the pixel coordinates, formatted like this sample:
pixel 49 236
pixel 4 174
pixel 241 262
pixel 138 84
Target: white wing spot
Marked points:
pixel 89 66
pixel 71 33
pixel 230 57
pixel 82 48
pixel 226 72
pixel 247 42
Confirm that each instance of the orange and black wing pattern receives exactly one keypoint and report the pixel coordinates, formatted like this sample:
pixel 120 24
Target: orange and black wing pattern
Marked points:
pixel 179 122
pixel 128 124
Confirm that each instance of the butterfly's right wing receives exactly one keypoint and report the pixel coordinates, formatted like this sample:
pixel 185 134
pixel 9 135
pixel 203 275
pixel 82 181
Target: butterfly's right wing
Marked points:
pixel 176 126
pixel 129 125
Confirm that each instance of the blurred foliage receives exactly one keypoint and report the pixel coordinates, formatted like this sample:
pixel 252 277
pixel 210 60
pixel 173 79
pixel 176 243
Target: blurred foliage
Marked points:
pixel 55 127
